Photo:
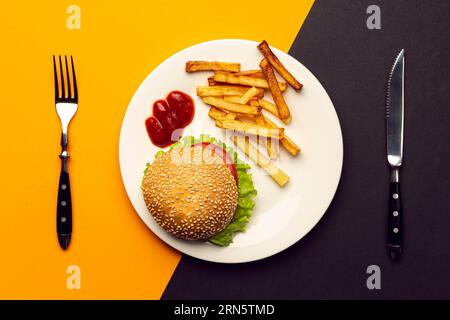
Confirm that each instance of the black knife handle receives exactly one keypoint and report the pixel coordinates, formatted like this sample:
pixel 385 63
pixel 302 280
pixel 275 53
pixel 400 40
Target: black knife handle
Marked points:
pixel 395 221
pixel 64 207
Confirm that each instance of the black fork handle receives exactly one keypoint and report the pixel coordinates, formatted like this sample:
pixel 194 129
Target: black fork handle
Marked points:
pixel 64 207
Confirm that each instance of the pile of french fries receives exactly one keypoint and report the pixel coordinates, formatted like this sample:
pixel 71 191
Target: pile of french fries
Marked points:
pixel 236 100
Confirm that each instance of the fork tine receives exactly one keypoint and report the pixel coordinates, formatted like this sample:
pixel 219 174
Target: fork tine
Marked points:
pixel 61 76
pixel 69 90
pixel 56 79
pixel 75 89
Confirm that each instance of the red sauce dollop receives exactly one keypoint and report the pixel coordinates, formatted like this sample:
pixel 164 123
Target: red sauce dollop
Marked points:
pixel 170 117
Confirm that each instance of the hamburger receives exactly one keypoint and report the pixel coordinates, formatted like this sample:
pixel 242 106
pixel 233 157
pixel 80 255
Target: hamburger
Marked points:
pixel 199 190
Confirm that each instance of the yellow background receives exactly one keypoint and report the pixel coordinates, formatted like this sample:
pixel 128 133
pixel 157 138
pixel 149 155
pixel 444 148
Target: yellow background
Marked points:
pixel 119 44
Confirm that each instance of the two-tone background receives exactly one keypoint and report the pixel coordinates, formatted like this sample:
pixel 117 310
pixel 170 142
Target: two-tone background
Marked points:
pixel 118 44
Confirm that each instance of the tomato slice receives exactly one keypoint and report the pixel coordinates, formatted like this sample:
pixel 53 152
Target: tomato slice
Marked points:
pixel 224 154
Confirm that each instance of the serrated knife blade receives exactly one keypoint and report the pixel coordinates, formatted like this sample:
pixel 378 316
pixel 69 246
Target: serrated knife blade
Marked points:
pixel 395 110
pixel 394 145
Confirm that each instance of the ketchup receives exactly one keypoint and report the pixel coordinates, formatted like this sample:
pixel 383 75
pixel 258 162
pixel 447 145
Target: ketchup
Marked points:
pixel 170 116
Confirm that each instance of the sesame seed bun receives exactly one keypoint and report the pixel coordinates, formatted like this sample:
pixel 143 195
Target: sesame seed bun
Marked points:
pixel 190 192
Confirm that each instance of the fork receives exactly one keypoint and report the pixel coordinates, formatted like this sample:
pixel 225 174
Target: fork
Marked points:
pixel 66 106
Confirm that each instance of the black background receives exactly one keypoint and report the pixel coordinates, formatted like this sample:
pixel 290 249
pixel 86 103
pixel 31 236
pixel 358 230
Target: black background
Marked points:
pixel 352 63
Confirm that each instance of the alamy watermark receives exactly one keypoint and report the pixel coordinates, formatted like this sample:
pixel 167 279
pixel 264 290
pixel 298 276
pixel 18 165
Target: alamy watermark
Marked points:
pixel 73 21
pixel 373 282
pixel 73 281
pixel 373 21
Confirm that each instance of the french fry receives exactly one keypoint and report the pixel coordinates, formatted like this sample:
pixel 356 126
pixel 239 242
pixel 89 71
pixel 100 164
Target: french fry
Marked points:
pixel 231 116
pixel 216 113
pixel 271 150
pixel 250 94
pixel 283 109
pixel 211 82
pixel 271 146
pixel 259 120
pixel 262 161
pixel 245 80
pixel 246 117
pixel 286 142
pixel 254 103
pixel 250 128
pixel 231 106
pixel 277 65
pixel 236 99
pixel 270 107
pixel 250 73
pixel 241 80
pixel 224 90
pixel 240 116
pixel 192 66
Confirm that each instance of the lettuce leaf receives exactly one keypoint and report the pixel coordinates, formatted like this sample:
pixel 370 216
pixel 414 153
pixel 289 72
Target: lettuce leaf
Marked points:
pixel 246 193
pixel 246 190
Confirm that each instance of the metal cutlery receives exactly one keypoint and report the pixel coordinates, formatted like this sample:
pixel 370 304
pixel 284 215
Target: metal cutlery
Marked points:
pixel 394 139
pixel 66 99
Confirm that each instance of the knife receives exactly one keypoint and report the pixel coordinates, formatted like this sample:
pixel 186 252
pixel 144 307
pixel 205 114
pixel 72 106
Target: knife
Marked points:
pixel 394 146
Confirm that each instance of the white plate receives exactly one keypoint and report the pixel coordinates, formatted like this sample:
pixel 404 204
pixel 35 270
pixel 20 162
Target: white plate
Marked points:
pixel 282 216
